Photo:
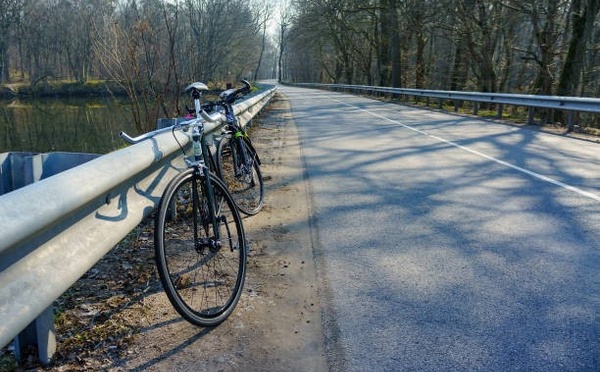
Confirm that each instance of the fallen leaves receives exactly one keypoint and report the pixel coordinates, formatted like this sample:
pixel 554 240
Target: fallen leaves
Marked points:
pixel 98 316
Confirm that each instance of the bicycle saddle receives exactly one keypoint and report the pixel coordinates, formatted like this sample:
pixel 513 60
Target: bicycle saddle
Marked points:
pixel 196 86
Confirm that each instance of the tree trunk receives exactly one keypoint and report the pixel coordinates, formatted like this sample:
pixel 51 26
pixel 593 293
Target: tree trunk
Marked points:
pixel 4 65
pixel 584 13
pixel 383 47
pixel 282 29
pixel 459 69
pixel 262 50
pixel 420 60
pixel 395 46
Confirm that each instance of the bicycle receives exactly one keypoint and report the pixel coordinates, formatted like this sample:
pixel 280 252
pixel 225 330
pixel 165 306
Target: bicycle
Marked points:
pixel 200 244
pixel 237 162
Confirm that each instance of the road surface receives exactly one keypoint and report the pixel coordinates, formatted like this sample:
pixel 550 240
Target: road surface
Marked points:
pixel 450 243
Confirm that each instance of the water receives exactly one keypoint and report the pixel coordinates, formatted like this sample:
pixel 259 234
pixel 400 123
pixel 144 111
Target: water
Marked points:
pixel 89 125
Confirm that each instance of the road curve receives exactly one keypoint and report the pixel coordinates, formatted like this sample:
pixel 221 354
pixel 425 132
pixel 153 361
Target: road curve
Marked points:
pixel 449 243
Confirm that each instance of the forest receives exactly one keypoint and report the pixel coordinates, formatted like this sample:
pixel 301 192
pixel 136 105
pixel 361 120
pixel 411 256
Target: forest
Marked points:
pixel 549 47
pixel 154 47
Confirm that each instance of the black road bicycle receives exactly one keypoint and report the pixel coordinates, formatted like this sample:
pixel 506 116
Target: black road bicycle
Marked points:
pixel 237 162
pixel 200 245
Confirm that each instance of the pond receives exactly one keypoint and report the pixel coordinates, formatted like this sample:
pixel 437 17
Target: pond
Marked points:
pixel 88 125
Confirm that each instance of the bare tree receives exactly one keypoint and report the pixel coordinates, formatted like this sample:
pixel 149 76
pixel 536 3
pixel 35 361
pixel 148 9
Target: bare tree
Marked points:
pixel 263 14
pixel 10 12
pixel 285 17
pixel 76 33
pixel 583 15
pixel 395 44
pixel 546 20
pixel 38 32
pixel 131 54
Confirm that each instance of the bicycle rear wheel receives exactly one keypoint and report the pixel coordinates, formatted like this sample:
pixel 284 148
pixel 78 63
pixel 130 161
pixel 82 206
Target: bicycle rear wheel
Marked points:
pixel 243 178
pixel 202 278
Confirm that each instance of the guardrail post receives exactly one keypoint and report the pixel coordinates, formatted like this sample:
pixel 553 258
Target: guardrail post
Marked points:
pixel 570 120
pixel 40 335
pixel 530 115
pixel 457 104
pixel 499 111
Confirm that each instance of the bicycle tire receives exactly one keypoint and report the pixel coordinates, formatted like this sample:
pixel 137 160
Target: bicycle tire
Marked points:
pixel 203 282
pixel 247 186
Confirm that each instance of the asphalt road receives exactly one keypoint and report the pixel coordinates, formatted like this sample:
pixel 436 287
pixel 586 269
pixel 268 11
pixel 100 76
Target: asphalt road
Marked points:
pixel 447 243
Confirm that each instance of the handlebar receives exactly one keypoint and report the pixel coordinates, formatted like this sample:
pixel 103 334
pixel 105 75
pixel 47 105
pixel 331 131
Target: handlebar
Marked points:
pixel 209 126
pixel 230 95
pixel 227 98
pixel 133 140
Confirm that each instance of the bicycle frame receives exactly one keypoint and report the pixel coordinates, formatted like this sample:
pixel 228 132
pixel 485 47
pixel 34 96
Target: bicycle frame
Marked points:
pixel 201 156
pixel 200 148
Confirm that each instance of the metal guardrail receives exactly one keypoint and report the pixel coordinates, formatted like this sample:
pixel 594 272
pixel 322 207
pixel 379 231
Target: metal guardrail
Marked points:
pixel 19 169
pixel 56 229
pixel 569 104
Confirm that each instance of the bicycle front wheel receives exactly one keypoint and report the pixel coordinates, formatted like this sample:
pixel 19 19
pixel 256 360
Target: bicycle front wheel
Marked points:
pixel 202 274
pixel 240 170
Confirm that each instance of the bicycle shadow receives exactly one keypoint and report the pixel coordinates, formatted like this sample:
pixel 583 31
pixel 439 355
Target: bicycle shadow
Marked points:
pixel 149 185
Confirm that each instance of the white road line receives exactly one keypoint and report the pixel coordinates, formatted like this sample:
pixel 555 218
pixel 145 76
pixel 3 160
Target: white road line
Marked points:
pixel 516 167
